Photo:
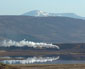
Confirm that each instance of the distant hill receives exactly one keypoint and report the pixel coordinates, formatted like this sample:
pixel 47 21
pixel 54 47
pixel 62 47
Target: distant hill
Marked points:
pixel 42 29
pixel 39 13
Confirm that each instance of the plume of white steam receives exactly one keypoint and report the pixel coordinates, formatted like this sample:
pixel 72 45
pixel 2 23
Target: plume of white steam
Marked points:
pixel 9 43
pixel 31 60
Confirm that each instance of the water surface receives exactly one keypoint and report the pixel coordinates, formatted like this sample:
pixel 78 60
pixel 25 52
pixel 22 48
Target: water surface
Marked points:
pixel 46 59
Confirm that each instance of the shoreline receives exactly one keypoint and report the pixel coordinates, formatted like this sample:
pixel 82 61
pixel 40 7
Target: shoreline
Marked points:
pixel 42 66
pixel 50 66
pixel 37 53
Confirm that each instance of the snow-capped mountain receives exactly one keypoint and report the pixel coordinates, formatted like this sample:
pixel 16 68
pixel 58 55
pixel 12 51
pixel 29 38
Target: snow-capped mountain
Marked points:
pixel 39 13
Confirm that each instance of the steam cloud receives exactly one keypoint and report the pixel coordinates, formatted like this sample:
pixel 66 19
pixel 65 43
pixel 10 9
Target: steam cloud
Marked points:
pixel 31 60
pixel 9 43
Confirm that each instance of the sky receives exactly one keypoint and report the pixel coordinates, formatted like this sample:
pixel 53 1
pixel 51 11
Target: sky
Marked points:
pixel 18 7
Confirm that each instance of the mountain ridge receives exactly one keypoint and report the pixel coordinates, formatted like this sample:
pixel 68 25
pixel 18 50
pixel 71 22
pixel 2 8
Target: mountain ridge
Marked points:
pixel 39 13
pixel 42 29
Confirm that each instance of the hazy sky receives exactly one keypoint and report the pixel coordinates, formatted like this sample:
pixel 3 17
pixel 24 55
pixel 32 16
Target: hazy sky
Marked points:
pixel 17 7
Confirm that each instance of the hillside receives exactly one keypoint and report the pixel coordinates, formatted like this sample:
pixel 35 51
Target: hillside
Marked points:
pixel 42 29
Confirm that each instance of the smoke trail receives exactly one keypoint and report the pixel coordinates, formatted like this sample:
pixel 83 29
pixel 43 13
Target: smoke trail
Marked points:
pixel 22 43
pixel 31 60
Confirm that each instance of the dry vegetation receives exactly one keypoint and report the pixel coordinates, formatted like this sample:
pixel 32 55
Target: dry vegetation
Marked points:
pixel 36 53
pixel 52 66
pixel 5 66
pixel 42 66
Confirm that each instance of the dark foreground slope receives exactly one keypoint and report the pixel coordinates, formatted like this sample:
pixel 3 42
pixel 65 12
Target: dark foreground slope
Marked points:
pixel 46 29
pixel 5 66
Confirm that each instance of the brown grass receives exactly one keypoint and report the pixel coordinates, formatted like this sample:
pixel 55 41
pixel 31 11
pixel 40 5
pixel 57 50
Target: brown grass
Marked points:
pixel 5 66
pixel 52 66
pixel 43 66
pixel 35 53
